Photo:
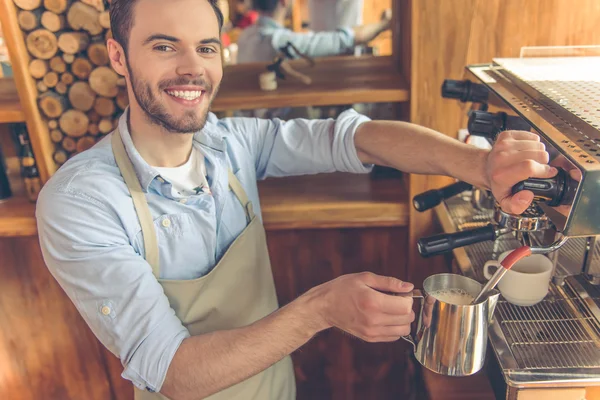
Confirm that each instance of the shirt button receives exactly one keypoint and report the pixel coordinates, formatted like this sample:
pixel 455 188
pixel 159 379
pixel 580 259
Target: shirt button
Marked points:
pixel 166 222
pixel 183 201
pixel 105 310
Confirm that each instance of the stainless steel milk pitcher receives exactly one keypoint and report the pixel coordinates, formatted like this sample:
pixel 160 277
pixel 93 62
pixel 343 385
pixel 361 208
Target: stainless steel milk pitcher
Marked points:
pixel 452 339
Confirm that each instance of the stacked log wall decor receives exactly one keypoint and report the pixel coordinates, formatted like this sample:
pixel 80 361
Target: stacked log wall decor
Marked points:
pixel 80 96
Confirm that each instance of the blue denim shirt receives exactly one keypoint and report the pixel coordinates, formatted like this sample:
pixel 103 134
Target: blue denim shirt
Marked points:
pixel 261 42
pixel 91 237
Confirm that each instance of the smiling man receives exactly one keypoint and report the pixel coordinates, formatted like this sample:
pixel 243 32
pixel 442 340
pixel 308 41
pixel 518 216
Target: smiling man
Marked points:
pixel 156 236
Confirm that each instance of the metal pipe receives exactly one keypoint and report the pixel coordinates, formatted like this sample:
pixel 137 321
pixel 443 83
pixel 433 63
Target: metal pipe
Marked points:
pixel 553 247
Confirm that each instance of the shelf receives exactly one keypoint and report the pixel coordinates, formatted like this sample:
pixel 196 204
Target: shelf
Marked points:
pixel 336 81
pixel 338 200
pixel 17 217
pixel 10 106
pixel 17 213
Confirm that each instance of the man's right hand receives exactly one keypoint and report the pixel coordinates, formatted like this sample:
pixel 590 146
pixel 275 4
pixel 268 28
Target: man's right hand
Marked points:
pixel 356 304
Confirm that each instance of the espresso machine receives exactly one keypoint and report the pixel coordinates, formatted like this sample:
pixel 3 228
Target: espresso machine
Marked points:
pixel 556 342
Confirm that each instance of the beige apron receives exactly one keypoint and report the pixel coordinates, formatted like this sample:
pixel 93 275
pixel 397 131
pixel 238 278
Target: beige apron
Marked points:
pixel 237 292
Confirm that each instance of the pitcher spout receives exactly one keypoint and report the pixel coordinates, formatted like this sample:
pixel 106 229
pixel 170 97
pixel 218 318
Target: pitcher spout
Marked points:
pixel 492 301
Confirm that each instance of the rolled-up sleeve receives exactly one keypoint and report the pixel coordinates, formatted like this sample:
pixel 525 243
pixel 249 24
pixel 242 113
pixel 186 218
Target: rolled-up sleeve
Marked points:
pixel 88 252
pixel 319 44
pixel 301 146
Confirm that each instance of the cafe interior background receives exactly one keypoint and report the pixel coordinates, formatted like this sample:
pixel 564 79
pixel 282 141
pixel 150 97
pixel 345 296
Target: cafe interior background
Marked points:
pixel 59 97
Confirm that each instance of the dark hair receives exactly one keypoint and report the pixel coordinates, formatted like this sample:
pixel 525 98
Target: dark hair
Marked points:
pixel 265 5
pixel 121 19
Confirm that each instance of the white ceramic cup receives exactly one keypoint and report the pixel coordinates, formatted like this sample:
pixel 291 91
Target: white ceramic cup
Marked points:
pixel 527 282
pixel 268 81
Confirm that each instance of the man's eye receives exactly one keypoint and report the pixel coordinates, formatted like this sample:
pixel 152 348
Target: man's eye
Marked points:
pixel 207 50
pixel 163 48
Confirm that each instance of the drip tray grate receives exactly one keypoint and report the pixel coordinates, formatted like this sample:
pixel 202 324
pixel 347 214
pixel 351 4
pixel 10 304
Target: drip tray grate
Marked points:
pixel 551 334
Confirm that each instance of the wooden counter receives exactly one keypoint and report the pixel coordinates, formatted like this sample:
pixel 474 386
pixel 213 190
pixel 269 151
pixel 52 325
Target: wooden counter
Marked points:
pixel 336 81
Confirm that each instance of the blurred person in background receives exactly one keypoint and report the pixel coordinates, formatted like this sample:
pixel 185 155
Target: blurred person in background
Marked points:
pixel 261 42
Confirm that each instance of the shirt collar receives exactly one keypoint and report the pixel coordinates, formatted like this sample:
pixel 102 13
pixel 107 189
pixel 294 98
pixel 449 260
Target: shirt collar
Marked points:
pixel 268 22
pixel 208 137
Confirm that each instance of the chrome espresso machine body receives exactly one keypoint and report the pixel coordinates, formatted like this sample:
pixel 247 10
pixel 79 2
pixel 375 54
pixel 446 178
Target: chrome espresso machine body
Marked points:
pixel 556 342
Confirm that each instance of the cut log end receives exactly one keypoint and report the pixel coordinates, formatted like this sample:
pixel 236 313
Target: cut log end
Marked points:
pixel 28 4
pixel 51 79
pixel 28 20
pixel 104 20
pixel 60 157
pixel 69 144
pixel 56 6
pixel 74 123
pixel 38 68
pixel 98 54
pixel 105 126
pixel 85 143
pixel 52 104
pixel 81 96
pixel 42 44
pixel 105 107
pixel 67 78
pixel 73 42
pixel 103 80
pixel 82 16
pixel 69 58
pixel 56 135
pixel 61 88
pixel 57 64
pixel 52 21
pixel 81 68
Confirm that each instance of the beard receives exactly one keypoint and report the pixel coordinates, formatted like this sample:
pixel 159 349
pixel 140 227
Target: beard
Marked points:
pixel 157 113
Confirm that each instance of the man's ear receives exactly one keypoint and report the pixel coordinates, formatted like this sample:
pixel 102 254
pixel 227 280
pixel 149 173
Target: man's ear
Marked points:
pixel 116 54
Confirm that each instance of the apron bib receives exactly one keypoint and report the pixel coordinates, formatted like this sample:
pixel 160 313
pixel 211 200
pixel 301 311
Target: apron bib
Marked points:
pixel 237 292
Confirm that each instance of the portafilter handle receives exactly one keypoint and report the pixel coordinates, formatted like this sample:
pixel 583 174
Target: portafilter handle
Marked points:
pixel 555 191
pixel 444 243
pixel 432 198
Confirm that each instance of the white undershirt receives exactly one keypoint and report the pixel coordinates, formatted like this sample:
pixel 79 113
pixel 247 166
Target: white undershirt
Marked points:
pixel 189 178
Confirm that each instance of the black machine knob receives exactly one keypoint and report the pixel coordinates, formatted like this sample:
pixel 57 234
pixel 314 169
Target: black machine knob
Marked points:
pixel 444 243
pixel 489 125
pixel 432 198
pixel 465 91
pixel 556 191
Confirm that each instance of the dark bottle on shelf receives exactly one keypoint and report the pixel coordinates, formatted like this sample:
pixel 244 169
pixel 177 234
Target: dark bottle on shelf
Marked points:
pixel 5 191
pixel 29 170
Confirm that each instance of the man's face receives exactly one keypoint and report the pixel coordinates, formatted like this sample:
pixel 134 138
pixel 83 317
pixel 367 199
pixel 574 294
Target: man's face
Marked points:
pixel 174 62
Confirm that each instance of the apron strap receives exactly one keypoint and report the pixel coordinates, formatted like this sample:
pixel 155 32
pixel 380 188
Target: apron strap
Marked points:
pixel 239 192
pixel 139 202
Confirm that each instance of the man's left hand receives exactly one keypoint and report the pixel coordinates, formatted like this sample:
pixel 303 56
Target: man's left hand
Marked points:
pixel 516 156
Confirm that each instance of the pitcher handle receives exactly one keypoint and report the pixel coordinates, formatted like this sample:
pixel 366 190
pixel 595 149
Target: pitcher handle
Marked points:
pixel 415 294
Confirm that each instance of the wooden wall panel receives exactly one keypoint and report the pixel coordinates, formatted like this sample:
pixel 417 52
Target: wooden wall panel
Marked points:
pixel 46 349
pixel 447 35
